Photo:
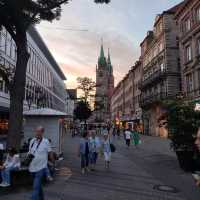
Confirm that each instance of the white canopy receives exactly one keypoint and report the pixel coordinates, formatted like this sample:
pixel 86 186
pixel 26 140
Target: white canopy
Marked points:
pixel 44 112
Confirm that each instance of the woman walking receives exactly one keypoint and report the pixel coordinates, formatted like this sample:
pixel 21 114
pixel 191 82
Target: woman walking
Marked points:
pixel 106 150
pixel 94 145
pixel 136 137
pixel 83 152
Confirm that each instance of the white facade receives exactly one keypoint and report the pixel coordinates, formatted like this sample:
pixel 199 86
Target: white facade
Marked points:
pixel 45 86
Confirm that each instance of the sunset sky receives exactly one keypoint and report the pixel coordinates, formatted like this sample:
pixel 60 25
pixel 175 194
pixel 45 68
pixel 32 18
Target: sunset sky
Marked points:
pixel 122 24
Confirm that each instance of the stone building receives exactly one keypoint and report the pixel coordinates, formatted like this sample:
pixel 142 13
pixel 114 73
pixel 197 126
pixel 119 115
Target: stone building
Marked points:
pixel 104 89
pixel 188 20
pixel 161 70
pixel 125 107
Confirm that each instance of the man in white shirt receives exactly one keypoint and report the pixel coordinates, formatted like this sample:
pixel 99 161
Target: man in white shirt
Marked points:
pixel 128 137
pixel 40 148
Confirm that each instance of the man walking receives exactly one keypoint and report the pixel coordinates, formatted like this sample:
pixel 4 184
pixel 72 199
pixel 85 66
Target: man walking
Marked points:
pixel 40 149
pixel 128 137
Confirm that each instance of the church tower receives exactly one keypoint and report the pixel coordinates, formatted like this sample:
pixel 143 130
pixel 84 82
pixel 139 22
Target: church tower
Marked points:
pixel 105 87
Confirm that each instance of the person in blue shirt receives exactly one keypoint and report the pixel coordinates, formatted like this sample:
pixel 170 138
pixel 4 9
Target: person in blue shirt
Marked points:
pixel 83 152
pixel 94 146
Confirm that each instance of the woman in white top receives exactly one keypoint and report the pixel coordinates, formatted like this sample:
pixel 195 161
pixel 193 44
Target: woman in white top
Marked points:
pixel 106 150
pixel 12 163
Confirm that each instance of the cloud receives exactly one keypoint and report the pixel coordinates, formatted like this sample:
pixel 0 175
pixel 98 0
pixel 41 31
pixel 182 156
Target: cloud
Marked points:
pixel 122 25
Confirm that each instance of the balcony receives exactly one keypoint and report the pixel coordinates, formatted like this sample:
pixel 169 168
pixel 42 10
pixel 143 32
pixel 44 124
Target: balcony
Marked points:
pixel 154 98
pixel 153 78
pixel 193 95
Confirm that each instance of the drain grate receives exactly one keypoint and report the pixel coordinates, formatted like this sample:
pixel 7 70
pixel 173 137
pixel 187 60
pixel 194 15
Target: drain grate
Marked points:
pixel 166 188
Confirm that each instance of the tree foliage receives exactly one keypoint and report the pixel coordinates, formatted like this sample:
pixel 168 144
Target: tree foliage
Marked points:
pixel 17 16
pixel 183 122
pixel 82 111
pixel 87 85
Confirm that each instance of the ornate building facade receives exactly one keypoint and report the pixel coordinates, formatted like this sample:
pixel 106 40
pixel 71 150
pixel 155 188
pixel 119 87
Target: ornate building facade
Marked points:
pixel 105 87
pixel 161 71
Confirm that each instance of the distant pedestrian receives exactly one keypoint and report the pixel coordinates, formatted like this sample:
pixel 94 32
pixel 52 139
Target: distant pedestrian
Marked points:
pixel 40 149
pixel 83 152
pixel 136 137
pixel 94 146
pixel 118 133
pixel 128 137
pixel 106 150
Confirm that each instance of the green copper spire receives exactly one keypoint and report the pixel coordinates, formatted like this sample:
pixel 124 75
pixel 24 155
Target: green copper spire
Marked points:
pixel 109 62
pixel 102 50
pixel 102 59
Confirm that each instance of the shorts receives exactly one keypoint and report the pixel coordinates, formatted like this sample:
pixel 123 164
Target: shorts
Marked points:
pixel 107 156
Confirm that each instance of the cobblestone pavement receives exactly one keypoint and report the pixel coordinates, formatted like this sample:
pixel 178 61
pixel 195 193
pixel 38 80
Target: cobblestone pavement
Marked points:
pixel 134 175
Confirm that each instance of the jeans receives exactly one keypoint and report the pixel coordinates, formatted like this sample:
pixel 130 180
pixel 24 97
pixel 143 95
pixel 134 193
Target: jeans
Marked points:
pixel 37 185
pixel 93 157
pixel 84 160
pixel 5 174
pixel 47 172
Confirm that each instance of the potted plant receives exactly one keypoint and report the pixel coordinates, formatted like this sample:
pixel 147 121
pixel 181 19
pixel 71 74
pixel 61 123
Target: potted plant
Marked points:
pixel 183 122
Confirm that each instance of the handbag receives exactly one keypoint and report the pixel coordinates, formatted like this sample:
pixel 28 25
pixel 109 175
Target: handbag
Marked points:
pixel 29 158
pixel 112 148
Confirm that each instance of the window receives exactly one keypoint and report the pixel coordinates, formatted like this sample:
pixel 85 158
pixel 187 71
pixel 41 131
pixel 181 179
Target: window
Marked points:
pixel 188 24
pixel 1 84
pixel 188 53
pixel 198 73
pixel 189 82
pixel 198 14
pixel 198 46
pixel 162 67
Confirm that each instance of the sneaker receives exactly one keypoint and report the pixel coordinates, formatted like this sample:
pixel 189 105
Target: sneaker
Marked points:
pixel 4 184
pixel 83 171
pixel 87 169
pixel 49 178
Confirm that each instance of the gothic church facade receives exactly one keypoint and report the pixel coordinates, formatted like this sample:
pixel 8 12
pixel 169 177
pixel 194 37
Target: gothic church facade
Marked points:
pixel 105 87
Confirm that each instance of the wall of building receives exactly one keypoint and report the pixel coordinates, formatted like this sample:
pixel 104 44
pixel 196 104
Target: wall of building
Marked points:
pixel 44 80
pixel 188 20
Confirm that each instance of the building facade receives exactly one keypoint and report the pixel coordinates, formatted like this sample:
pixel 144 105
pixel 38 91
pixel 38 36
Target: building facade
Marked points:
pixel 161 71
pixel 44 79
pixel 125 106
pixel 188 20
pixel 104 87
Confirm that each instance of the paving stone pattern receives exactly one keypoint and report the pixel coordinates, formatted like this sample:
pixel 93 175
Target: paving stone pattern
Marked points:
pixel 133 175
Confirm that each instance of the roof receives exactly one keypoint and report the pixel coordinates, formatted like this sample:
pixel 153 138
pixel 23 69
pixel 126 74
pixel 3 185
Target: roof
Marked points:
pixel 40 43
pixel 182 7
pixel 44 112
pixel 175 8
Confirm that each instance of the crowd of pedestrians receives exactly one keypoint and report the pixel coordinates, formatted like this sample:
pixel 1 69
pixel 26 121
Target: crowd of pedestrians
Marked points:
pixel 95 143
pixel 90 147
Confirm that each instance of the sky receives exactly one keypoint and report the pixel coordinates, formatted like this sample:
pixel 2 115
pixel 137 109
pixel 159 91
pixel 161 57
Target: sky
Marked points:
pixel 75 39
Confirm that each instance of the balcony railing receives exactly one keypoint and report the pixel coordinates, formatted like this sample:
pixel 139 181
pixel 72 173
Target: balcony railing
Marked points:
pixel 154 77
pixel 193 95
pixel 154 98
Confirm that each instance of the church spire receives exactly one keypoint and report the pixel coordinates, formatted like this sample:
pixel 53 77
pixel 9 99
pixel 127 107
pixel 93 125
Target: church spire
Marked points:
pixel 102 59
pixel 109 62
pixel 102 50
